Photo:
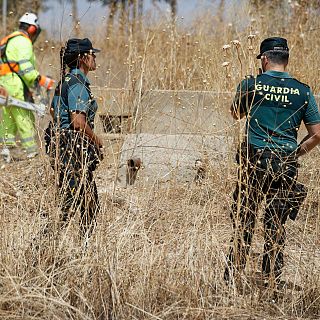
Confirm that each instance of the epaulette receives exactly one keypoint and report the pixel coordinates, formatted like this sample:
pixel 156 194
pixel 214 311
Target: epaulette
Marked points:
pixel 302 83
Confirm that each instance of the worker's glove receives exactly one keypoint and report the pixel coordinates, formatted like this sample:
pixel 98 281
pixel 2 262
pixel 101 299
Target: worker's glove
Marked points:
pixel 46 82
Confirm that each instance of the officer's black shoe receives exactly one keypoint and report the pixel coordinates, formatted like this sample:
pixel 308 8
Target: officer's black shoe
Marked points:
pixel 64 220
pixel 228 279
pixel 274 290
pixel 226 275
pixel 277 293
pixel 281 285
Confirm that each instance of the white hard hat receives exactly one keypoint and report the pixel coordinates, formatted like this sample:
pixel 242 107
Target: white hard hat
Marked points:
pixel 30 18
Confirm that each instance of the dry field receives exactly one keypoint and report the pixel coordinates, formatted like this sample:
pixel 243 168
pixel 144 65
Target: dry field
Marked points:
pixel 158 251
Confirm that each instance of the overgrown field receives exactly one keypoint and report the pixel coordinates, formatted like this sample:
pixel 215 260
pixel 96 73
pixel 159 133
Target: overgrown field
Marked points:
pixel 159 250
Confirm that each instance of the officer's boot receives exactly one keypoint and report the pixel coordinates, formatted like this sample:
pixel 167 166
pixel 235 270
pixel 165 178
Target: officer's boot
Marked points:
pixel 64 219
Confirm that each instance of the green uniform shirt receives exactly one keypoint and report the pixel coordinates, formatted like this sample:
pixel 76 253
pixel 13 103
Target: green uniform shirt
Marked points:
pixel 76 97
pixel 275 104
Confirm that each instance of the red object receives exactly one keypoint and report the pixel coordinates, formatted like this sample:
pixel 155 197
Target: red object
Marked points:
pixel 46 82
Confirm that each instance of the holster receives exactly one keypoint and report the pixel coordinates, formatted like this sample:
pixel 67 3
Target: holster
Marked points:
pixel 295 199
pixel 49 135
pixel 77 147
pixel 71 148
pixel 274 161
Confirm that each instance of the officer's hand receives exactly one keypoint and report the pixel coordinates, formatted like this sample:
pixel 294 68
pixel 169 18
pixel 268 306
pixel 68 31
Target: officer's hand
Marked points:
pixel 46 82
pixel 101 156
pixel 98 142
pixel 3 92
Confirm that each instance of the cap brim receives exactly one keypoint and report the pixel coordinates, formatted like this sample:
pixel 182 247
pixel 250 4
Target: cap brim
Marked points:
pixel 259 56
pixel 95 50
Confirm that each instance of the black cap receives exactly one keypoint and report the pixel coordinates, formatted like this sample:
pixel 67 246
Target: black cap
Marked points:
pixel 273 44
pixel 80 46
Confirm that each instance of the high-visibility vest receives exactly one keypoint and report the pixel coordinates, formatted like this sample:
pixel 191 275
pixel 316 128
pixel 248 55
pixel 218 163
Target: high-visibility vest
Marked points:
pixel 7 66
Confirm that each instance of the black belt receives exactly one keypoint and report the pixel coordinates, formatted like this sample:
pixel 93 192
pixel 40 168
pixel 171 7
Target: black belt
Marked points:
pixel 252 151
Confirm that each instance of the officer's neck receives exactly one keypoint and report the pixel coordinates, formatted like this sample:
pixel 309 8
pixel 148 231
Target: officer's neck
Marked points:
pixel 84 69
pixel 276 67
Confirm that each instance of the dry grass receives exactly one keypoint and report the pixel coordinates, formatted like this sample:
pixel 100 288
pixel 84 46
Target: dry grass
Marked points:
pixel 158 251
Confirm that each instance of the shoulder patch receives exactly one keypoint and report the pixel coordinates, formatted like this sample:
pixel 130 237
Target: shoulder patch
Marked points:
pixel 72 79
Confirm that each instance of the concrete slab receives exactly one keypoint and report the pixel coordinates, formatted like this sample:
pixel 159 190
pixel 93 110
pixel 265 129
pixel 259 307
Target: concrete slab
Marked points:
pixel 170 157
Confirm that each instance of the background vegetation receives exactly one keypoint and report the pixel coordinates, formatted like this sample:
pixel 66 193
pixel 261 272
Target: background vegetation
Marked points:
pixel 158 251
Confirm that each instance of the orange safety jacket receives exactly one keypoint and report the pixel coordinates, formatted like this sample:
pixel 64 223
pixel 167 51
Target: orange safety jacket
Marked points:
pixel 9 66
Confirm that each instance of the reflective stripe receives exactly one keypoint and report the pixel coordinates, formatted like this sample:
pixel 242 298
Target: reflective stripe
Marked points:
pixel 5 68
pixel 22 61
pixel 19 61
pixel 22 72
pixel 47 82
pixel 7 139
pixel 27 139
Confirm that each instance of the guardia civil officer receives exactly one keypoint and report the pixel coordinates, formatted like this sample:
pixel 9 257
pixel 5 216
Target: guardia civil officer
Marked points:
pixel 274 104
pixel 77 147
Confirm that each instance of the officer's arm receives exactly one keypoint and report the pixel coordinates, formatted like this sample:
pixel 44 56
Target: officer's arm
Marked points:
pixel 238 107
pixel 311 140
pixel 79 123
pixel 78 101
pixel 235 112
pixel 55 102
pixel 312 123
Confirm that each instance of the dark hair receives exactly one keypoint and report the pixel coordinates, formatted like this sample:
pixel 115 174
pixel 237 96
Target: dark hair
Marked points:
pixel 277 56
pixel 69 59
pixel 24 26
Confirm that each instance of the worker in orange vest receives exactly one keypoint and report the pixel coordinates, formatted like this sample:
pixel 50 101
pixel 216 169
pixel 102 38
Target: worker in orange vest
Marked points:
pixel 17 75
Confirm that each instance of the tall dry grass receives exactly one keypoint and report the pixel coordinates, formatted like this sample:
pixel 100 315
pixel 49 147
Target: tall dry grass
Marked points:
pixel 159 251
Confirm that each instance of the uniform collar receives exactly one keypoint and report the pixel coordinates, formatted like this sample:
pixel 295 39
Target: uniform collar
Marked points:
pixel 277 74
pixel 78 71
